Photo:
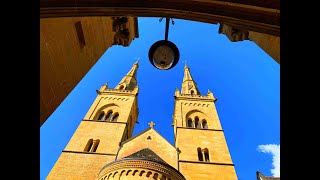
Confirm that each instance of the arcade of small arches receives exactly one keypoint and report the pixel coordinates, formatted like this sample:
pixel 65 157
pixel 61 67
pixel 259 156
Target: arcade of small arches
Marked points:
pixel 195 123
pixel 135 174
pixel 137 169
pixel 197 104
pixel 116 99
pixel 109 116
pixel 197 119
pixel 110 113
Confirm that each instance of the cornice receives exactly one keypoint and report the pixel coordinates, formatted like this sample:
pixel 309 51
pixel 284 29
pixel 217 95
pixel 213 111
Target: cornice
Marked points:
pixel 136 163
pixel 118 92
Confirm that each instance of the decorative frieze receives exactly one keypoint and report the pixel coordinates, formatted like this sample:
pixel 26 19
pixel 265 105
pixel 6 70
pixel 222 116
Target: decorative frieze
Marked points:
pixel 140 168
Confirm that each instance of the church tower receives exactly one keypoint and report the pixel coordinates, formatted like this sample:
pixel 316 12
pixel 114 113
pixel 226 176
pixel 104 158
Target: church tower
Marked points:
pixel 199 138
pixel 109 121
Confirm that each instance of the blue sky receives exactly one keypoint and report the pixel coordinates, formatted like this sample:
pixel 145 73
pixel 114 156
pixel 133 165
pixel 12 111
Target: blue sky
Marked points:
pixel 242 76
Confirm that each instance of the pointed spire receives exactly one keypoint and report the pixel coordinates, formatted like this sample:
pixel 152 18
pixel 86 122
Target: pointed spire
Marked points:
pixel 133 70
pixel 177 93
pixel 103 87
pixel 188 84
pixel 187 74
pixel 129 81
pixel 210 94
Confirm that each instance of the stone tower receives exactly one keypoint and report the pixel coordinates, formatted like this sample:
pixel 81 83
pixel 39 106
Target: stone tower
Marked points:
pixel 109 121
pixel 199 137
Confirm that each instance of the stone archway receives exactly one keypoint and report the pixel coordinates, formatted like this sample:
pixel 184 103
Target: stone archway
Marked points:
pixel 255 20
pixel 261 16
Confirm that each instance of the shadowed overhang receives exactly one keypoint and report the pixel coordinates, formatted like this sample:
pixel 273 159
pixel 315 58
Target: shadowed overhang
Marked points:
pixel 254 15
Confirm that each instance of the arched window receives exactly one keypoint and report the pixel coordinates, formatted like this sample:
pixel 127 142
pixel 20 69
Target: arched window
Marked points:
pixel 108 116
pixel 155 176
pixel 200 157
pixel 149 174
pixel 123 171
pixel 101 115
pixel 115 117
pixel 141 172
pixel 206 155
pixel 92 145
pixel 95 145
pixel 115 173
pixel 128 172
pixel 204 124
pixel 121 87
pixel 109 175
pixel 134 172
pixel 190 123
pixel 196 122
pixel 89 145
pixel 192 92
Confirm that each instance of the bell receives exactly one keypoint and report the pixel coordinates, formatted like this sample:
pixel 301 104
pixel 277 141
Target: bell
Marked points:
pixel 164 55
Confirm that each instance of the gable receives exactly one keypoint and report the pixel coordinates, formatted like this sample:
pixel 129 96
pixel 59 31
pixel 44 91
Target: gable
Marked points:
pixel 146 154
pixel 152 140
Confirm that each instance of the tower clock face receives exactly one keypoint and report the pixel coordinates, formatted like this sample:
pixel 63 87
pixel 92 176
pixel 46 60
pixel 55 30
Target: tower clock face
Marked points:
pixel 163 56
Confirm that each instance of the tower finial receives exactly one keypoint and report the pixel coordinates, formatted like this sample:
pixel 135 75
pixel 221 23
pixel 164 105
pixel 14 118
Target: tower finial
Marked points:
pixel 129 81
pixel 185 64
pixel 189 86
pixel 137 60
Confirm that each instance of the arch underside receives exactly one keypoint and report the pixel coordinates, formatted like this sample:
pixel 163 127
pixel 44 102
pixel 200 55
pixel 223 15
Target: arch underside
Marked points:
pixel 260 15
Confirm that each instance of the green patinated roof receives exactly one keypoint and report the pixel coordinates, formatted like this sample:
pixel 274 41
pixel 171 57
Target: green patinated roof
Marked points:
pixel 146 154
pixel 143 154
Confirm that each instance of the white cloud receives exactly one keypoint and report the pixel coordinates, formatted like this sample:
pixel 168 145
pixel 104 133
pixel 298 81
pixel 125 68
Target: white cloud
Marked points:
pixel 274 150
